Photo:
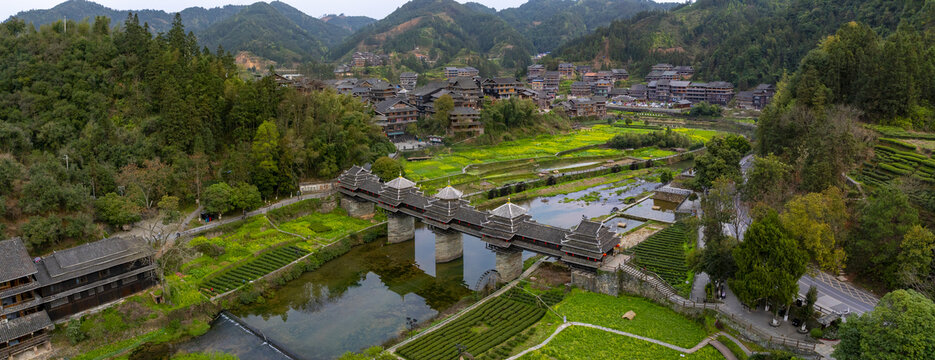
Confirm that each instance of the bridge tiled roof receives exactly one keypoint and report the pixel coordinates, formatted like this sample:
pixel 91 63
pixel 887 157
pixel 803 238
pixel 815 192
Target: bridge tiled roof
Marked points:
pixel 541 232
pixel 590 239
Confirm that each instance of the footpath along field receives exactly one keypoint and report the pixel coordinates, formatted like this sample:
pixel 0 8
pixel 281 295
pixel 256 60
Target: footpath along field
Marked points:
pixel 543 146
pixel 651 321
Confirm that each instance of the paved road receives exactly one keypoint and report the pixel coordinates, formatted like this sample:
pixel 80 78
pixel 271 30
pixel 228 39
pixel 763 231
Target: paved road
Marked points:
pixel 837 295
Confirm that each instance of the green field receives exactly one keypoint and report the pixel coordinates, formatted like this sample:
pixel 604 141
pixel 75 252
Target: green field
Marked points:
pixel 652 320
pixel 237 249
pixel 481 329
pixel 586 343
pixel 251 270
pixel 543 146
pixel 664 254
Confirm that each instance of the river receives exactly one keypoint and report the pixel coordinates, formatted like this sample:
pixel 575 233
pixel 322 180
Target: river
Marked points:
pixel 364 298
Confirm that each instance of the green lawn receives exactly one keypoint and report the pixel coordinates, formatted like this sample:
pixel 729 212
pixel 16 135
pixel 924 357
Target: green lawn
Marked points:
pixel 586 343
pixel 542 146
pixel 653 321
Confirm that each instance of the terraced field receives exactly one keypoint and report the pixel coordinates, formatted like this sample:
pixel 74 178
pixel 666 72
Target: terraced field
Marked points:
pixel 664 254
pixel 891 163
pixel 482 329
pixel 252 270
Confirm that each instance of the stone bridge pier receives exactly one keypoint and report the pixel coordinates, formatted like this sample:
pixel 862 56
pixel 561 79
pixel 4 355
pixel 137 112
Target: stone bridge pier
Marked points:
pixel 509 264
pixel 447 245
pixel 356 207
pixel 399 228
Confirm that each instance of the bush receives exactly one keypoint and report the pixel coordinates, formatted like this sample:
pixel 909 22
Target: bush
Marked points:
pixel 74 333
pixel 816 333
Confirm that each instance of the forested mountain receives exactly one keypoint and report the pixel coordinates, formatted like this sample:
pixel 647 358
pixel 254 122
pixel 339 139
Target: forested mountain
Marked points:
pixel 549 23
pixel 743 41
pixel 441 29
pixel 194 18
pixel 351 23
pixel 266 32
pixel 329 34
pixel 276 31
pixel 98 123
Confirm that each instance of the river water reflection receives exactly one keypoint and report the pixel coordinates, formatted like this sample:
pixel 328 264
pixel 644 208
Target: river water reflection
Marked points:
pixel 364 297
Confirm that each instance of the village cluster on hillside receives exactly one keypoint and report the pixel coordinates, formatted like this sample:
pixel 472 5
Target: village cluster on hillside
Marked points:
pixel 401 104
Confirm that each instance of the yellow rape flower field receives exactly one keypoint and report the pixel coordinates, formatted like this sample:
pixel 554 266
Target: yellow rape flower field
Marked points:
pixel 543 146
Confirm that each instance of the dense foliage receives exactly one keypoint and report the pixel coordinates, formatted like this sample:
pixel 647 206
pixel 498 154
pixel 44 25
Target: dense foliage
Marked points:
pixel 661 139
pixel 902 326
pixel 745 42
pixel 99 110
pixel 769 263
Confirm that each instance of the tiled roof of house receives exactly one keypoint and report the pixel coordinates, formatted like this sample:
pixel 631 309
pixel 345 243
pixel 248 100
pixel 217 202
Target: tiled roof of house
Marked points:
pixel 14 260
pixel 24 325
pixel 91 257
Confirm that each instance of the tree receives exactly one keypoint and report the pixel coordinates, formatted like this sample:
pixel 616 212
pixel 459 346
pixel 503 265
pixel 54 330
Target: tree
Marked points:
pixel 901 326
pixel 769 263
pixel 665 176
pixel 169 205
pixel 387 168
pixel 915 259
pixel 149 179
pixel 883 219
pixel 716 259
pixel 817 222
pixel 443 107
pixel 265 152
pixel 245 197
pixel 717 209
pixel 10 170
pixel 768 181
pixel 217 198
pixel 116 210
pixel 722 158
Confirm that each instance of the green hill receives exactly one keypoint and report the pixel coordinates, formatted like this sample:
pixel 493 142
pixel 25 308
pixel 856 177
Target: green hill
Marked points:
pixel 550 23
pixel 351 23
pixel 194 18
pixel 330 34
pixel 264 31
pixel 743 41
pixel 442 29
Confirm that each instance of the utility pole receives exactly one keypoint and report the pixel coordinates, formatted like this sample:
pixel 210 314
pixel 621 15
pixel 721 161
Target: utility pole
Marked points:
pixel 66 24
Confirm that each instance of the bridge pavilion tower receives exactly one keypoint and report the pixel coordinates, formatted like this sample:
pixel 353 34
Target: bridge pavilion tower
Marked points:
pixel 360 189
pixel 501 225
pixel 399 226
pixel 439 213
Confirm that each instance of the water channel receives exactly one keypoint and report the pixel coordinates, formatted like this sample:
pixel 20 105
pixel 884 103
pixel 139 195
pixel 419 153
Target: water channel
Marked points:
pixel 364 297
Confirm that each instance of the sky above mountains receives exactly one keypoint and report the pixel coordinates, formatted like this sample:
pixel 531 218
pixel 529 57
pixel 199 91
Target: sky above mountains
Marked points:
pixel 373 8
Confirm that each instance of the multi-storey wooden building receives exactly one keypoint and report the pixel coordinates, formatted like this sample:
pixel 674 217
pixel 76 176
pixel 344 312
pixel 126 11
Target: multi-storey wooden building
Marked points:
pixel 580 88
pixel 465 120
pixel 566 70
pixel 397 113
pixel 501 87
pixel 35 292
pixel 535 70
pixel 407 80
